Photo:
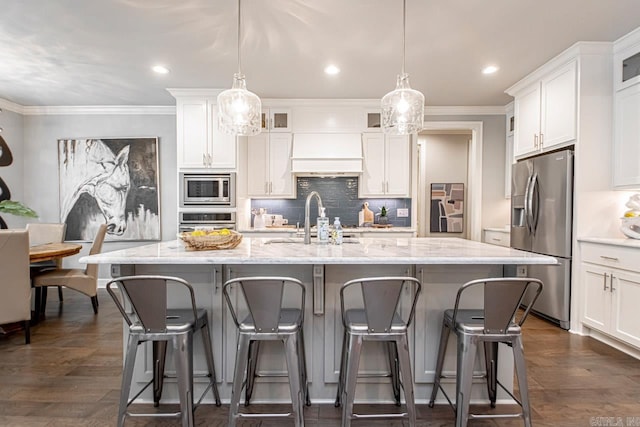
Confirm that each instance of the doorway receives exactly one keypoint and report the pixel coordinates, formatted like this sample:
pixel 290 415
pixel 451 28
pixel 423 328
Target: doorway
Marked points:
pixel 450 152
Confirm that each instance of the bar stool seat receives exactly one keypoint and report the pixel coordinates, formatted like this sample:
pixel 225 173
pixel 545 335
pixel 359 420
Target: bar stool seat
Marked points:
pixel 150 320
pixel 494 324
pixel 268 320
pixel 379 319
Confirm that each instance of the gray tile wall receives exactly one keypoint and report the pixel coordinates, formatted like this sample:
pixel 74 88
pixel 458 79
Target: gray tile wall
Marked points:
pixel 340 197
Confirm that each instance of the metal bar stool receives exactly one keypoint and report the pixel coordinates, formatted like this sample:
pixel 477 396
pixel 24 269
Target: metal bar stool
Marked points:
pixel 379 319
pixel 495 323
pixel 151 320
pixel 269 320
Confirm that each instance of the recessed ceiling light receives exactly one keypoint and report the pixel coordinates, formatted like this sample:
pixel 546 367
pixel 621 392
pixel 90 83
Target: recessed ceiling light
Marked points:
pixel 160 69
pixel 332 70
pixel 490 69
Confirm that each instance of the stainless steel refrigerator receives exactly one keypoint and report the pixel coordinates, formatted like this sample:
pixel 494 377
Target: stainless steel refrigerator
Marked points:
pixel 541 222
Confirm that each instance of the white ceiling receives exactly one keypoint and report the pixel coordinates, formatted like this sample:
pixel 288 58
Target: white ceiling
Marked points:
pixel 99 52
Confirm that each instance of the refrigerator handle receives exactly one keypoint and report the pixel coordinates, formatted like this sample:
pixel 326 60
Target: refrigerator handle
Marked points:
pixel 533 210
pixel 527 207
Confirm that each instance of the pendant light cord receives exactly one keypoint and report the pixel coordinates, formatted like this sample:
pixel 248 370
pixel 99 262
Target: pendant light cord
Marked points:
pixel 239 24
pixel 404 31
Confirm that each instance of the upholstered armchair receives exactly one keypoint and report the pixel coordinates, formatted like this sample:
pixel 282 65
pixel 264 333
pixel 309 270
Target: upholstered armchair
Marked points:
pixel 39 234
pixel 81 280
pixel 15 304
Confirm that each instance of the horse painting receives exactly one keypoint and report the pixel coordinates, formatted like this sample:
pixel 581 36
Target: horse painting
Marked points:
pixel 96 186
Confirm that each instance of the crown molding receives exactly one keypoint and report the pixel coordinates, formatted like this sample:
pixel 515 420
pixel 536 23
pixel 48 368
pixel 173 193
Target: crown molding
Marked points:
pixel 11 106
pixel 487 110
pixel 479 110
pixel 100 109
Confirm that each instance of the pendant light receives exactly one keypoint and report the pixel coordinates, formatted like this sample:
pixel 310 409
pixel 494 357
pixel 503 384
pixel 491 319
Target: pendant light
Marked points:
pixel 239 110
pixel 403 108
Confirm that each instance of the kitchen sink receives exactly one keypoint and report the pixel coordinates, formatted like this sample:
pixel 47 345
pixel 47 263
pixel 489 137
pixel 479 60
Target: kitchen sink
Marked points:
pixel 346 240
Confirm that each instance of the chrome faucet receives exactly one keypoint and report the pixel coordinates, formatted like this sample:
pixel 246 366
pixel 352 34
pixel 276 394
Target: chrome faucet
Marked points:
pixel 307 225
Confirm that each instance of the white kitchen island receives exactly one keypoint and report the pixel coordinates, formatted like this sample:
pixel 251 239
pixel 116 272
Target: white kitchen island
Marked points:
pixel 441 264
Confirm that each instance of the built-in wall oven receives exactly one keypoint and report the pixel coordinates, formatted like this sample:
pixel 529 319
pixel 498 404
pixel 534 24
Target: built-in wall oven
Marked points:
pixel 207 189
pixel 193 220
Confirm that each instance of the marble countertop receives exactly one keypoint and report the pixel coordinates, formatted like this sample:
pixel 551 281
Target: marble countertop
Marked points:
pixel 345 230
pixel 622 241
pixel 353 251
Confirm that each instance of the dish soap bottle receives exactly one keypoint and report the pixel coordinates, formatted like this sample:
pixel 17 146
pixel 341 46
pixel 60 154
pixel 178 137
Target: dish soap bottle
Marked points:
pixel 323 227
pixel 337 230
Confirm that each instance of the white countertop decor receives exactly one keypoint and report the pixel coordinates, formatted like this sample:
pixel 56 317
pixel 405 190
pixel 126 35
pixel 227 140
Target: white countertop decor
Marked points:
pixel 353 251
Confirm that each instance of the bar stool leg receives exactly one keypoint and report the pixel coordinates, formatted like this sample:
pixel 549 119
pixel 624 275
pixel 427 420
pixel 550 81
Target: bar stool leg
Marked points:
pixel 402 346
pixel 467 345
pixel 182 353
pixel 159 359
pixel 254 351
pixel 442 350
pixel 521 374
pixel 392 352
pixel 293 367
pixel 127 375
pixel 351 377
pixel 303 368
pixel 238 376
pixel 208 349
pixel 343 367
pixel 491 365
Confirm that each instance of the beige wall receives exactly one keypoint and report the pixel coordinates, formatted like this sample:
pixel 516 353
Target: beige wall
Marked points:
pixel 443 158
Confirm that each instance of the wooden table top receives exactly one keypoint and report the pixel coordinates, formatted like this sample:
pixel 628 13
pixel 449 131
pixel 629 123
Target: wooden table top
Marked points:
pixel 49 251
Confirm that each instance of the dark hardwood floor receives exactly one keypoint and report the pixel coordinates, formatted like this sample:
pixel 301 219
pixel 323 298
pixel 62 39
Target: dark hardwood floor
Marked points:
pixel 70 376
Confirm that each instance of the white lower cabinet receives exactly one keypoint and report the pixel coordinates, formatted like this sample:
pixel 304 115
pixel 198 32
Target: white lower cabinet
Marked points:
pixel 497 237
pixel 610 277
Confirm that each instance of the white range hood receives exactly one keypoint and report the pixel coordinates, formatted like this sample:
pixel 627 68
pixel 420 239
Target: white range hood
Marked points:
pixel 327 153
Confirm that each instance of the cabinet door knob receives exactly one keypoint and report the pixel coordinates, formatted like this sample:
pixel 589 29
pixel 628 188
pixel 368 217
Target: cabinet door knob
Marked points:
pixel 541 139
pixel 612 288
pixel 535 140
pixel 605 281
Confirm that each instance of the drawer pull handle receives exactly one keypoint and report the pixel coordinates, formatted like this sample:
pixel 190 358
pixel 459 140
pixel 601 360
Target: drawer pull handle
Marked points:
pixel 496 239
pixel 609 258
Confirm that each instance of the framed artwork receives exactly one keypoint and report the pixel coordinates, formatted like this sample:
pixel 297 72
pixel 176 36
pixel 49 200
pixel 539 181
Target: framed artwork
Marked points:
pixel 113 181
pixel 447 208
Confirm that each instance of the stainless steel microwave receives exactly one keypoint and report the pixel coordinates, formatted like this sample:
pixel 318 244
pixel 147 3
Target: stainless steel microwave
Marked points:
pixel 205 189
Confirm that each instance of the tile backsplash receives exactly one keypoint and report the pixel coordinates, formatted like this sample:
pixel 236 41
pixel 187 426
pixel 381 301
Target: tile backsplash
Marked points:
pixel 339 197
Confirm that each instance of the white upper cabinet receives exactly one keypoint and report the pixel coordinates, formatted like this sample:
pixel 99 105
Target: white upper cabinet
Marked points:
pixel 626 147
pixel 199 142
pixel 508 150
pixel 269 165
pixel 545 112
pixel 276 119
pixel 626 113
pixel 387 166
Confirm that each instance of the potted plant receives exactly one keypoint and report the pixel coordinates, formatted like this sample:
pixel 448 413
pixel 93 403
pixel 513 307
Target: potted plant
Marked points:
pixel 383 219
pixel 15 208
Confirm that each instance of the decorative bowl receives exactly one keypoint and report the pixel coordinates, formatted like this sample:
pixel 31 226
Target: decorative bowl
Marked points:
pixel 208 242
pixel 631 227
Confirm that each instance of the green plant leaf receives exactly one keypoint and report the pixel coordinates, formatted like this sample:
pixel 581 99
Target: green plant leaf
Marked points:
pixel 14 207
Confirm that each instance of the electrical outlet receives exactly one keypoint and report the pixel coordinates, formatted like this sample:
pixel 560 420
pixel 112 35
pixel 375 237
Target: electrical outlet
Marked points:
pixel 115 270
pixel 521 271
pixel 403 213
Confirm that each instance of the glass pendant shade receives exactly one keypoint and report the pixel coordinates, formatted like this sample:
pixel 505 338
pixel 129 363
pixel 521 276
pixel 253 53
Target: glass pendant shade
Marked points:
pixel 239 110
pixel 402 109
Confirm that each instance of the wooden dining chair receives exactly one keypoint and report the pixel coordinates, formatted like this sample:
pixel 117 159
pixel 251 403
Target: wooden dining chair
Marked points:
pixel 81 280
